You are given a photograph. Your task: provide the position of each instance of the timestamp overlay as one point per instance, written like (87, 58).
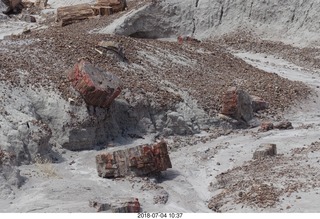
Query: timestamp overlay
(160, 215)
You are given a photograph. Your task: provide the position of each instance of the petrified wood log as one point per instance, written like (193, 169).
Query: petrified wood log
(134, 161)
(98, 87)
(69, 14)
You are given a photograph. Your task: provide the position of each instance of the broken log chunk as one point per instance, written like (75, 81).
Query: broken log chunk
(120, 205)
(70, 14)
(102, 10)
(265, 150)
(98, 87)
(236, 103)
(117, 5)
(134, 161)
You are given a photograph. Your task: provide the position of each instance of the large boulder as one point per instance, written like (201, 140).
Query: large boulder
(98, 87)
(134, 161)
(237, 104)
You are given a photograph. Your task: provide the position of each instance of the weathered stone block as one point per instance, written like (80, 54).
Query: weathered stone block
(134, 161)
(237, 104)
(98, 87)
(265, 150)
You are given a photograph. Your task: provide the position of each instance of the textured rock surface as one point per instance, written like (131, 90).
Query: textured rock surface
(237, 104)
(283, 125)
(161, 198)
(122, 205)
(266, 126)
(10, 177)
(265, 150)
(98, 87)
(137, 161)
(258, 103)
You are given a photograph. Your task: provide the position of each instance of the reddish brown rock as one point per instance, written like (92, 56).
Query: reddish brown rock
(266, 126)
(98, 87)
(136, 161)
(236, 103)
(124, 205)
(258, 103)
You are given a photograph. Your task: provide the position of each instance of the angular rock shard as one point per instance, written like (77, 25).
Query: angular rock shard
(135, 161)
(258, 103)
(237, 104)
(98, 87)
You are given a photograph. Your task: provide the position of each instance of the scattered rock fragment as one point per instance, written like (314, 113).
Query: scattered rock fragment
(283, 125)
(136, 161)
(236, 103)
(258, 103)
(265, 150)
(161, 198)
(28, 18)
(122, 205)
(266, 126)
(188, 39)
(98, 87)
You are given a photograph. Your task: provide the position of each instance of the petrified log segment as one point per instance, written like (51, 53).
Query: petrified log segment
(102, 10)
(136, 161)
(237, 104)
(98, 87)
(123, 205)
(117, 5)
(69, 14)
(265, 150)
